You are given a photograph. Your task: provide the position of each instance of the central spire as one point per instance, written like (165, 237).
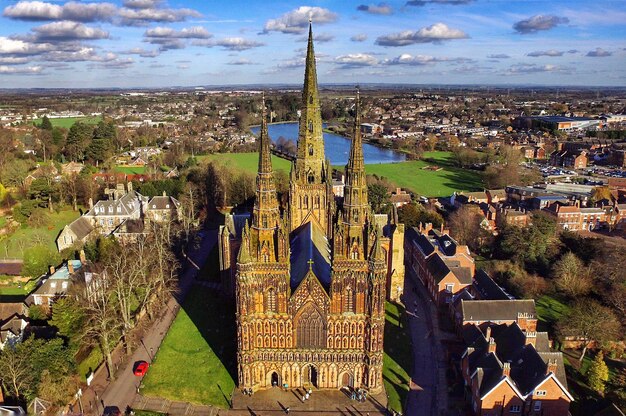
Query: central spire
(310, 161)
(355, 204)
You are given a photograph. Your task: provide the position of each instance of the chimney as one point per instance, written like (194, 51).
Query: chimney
(488, 333)
(70, 267)
(492, 345)
(531, 338)
(52, 270)
(441, 227)
(551, 367)
(506, 369)
(164, 194)
(90, 203)
(81, 256)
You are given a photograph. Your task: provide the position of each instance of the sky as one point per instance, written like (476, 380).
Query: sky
(161, 43)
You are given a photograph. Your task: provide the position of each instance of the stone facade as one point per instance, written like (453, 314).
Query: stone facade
(310, 280)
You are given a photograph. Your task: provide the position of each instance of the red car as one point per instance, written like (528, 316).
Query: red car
(141, 368)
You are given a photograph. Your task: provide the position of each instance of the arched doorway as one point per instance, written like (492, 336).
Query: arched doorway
(309, 376)
(275, 381)
(346, 380)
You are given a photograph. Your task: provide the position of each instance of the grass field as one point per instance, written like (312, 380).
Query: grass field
(549, 311)
(90, 363)
(397, 360)
(245, 161)
(131, 170)
(196, 361)
(67, 122)
(26, 236)
(410, 175)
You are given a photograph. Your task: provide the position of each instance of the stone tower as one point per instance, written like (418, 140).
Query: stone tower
(311, 184)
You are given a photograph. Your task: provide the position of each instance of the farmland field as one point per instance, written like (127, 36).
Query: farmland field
(67, 122)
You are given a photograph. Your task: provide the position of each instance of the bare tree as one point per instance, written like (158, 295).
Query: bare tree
(571, 276)
(589, 321)
(103, 325)
(16, 371)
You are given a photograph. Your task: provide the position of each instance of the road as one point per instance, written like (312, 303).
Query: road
(122, 391)
(422, 401)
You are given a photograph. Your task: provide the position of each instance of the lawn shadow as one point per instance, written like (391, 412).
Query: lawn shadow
(214, 317)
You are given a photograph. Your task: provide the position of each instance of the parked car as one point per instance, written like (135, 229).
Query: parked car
(140, 368)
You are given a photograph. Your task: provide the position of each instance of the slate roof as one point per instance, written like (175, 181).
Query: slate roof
(162, 202)
(496, 310)
(421, 240)
(8, 309)
(437, 267)
(127, 204)
(81, 227)
(53, 285)
(446, 244)
(309, 242)
(487, 288)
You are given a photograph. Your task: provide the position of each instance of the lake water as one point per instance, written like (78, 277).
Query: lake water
(336, 148)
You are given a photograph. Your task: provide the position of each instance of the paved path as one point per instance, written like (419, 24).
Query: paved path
(428, 397)
(121, 392)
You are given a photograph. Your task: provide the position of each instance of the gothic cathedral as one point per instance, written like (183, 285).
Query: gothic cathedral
(310, 281)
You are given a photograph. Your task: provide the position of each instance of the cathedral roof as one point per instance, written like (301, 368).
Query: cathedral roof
(310, 250)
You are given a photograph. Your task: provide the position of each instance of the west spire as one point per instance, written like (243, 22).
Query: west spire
(355, 204)
(266, 216)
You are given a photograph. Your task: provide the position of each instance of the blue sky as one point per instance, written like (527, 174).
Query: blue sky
(152, 43)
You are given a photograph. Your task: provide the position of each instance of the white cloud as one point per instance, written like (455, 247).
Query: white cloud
(297, 20)
(432, 34)
(241, 61)
(19, 70)
(75, 11)
(360, 37)
(134, 17)
(381, 8)
(11, 60)
(235, 43)
(519, 69)
(418, 60)
(67, 31)
(356, 60)
(538, 22)
(599, 53)
(142, 4)
(550, 52)
(425, 2)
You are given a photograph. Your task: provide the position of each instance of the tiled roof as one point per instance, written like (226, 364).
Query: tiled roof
(309, 243)
(496, 310)
(487, 288)
(81, 227)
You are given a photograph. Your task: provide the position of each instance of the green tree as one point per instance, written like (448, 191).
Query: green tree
(69, 319)
(598, 373)
(378, 197)
(78, 139)
(45, 124)
(411, 215)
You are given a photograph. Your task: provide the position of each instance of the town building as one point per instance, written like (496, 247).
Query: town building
(310, 283)
(54, 285)
(443, 266)
(125, 211)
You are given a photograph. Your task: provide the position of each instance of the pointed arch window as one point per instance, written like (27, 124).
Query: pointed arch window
(349, 301)
(270, 300)
(310, 329)
(310, 98)
(310, 146)
(311, 127)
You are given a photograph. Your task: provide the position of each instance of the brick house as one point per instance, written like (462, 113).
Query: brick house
(568, 217)
(443, 266)
(508, 371)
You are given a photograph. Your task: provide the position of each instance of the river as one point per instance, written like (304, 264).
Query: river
(336, 147)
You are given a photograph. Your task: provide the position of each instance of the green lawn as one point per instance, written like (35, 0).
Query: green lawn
(67, 122)
(246, 161)
(131, 170)
(549, 311)
(408, 175)
(25, 236)
(90, 363)
(444, 182)
(196, 361)
(397, 361)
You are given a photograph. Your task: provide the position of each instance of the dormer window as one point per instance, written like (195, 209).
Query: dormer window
(110, 210)
(64, 285)
(53, 285)
(167, 206)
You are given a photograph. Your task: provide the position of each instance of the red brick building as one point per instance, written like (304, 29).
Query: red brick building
(511, 372)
